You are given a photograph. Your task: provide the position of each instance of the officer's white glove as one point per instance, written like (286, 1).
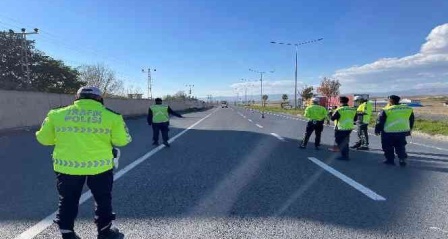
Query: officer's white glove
(117, 153)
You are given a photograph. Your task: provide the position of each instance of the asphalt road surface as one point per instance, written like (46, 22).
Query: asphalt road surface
(231, 174)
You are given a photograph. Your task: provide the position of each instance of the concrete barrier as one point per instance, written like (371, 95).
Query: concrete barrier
(20, 109)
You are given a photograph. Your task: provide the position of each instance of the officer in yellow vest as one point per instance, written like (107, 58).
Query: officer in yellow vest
(316, 115)
(364, 114)
(83, 135)
(394, 123)
(344, 118)
(159, 118)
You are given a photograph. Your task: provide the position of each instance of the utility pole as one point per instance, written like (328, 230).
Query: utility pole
(261, 88)
(295, 72)
(149, 81)
(189, 91)
(245, 90)
(24, 47)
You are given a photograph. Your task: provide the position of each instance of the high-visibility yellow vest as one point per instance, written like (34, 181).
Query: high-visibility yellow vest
(160, 113)
(83, 135)
(347, 116)
(397, 118)
(366, 108)
(316, 112)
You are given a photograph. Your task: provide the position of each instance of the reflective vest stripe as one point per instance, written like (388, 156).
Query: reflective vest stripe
(397, 119)
(346, 120)
(160, 114)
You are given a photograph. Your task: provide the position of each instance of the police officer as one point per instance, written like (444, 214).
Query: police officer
(316, 115)
(394, 123)
(84, 134)
(364, 114)
(344, 118)
(159, 118)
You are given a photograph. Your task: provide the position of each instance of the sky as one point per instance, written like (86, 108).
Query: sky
(370, 46)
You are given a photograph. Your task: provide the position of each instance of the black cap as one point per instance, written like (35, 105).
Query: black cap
(158, 99)
(343, 99)
(395, 98)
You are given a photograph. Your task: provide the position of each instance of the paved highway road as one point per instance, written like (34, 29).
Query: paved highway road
(231, 174)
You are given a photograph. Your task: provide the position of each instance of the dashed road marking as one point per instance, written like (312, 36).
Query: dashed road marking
(366, 191)
(278, 137)
(250, 120)
(259, 126)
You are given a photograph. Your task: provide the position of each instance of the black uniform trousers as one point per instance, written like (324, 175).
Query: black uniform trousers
(313, 126)
(363, 135)
(391, 142)
(342, 138)
(160, 127)
(70, 189)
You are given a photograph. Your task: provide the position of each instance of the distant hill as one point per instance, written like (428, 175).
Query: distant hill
(405, 93)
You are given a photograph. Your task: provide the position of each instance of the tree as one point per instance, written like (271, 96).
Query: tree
(265, 98)
(285, 97)
(329, 88)
(46, 73)
(180, 95)
(103, 77)
(50, 75)
(306, 93)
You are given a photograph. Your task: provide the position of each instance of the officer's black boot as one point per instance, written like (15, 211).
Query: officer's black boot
(389, 162)
(402, 162)
(363, 148)
(70, 235)
(355, 146)
(111, 233)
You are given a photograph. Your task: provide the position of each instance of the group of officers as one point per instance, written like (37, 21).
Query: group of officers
(394, 123)
(84, 150)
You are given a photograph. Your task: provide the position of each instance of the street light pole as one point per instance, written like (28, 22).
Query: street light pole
(297, 50)
(24, 46)
(190, 87)
(295, 81)
(261, 89)
(149, 81)
(245, 90)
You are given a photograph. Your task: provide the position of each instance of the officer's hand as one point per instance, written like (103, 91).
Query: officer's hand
(377, 133)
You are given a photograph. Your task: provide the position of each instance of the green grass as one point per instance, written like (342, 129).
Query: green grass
(277, 109)
(431, 127)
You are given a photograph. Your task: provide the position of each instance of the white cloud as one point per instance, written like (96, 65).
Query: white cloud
(425, 69)
(269, 87)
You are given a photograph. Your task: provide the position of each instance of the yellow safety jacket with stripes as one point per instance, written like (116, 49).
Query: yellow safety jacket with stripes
(397, 118)
(347, 118)
(83, 135)
(316, 112)
(160, 113)
(365, 112)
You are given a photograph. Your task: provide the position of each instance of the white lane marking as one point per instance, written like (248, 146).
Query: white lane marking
(438, 229)
(429, 146)
(259, 126)
(244, 116)
(48, 221)
(250, 120)
(278, 137)
(369, 193)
